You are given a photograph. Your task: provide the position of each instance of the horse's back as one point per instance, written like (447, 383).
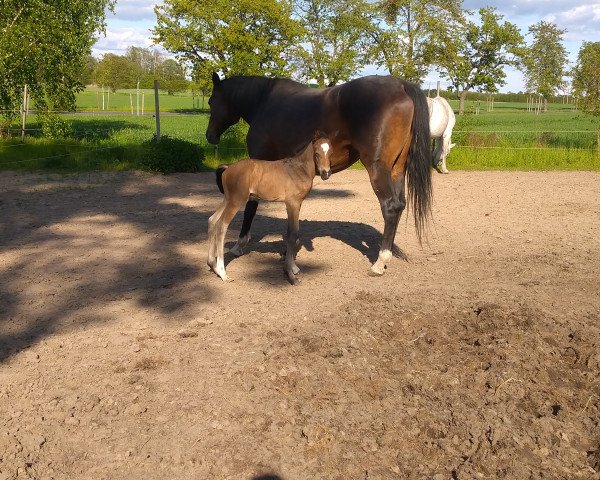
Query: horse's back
(441, 117)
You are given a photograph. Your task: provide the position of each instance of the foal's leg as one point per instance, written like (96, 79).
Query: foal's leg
(293, 212)
(231, 208)
(244, 237)
(392, 199)
(213, 222)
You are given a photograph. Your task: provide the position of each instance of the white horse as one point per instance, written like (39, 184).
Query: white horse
(441, 123)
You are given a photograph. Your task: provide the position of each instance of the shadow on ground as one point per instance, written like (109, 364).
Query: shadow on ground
(77, 247)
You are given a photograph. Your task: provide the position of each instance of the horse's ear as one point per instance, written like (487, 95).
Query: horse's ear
(216, 80)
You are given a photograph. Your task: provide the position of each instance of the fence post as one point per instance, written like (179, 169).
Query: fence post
(599, 139)
(156, 108)
(24, 113)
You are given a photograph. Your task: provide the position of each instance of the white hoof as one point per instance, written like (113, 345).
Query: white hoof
(377, 270)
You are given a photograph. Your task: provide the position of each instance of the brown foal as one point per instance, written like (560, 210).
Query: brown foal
(288, 180)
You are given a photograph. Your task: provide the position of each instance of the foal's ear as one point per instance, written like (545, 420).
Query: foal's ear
(215, 79)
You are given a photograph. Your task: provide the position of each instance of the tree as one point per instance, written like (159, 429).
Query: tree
(586, 78)
(87, 74)
(147, 62)
(479, 53)
(405, 34)
(171, 76)
(44, 44)
(246, 37)
(116, 71)
(334, 46)
(545, 60)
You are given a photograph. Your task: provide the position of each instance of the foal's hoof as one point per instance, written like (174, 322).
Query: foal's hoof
(237, 251)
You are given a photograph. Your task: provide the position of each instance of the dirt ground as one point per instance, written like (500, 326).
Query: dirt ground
(122, 356)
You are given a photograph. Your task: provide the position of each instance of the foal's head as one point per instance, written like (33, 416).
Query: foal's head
(322, 154)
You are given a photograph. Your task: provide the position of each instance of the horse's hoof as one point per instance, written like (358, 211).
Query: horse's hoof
(235, 250)
(295, 270)
(376, 271)
(292, 278)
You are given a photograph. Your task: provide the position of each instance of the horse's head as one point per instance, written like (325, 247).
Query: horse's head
(322, 154)
(222, 114)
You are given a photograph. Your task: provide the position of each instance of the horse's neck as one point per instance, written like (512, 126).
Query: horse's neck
(248, 93)
(305, 161)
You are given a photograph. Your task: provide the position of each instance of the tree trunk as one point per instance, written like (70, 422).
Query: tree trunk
(463, 100)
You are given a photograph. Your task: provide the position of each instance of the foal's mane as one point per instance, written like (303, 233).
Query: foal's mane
(247, 93)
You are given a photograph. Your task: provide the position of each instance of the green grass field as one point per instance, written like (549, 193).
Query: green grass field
(509, 138)
(90, 100)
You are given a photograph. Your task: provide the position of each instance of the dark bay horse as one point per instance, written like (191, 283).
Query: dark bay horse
(381, 120)
(288, 180)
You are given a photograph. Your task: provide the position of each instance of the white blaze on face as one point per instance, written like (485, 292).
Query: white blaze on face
(325, 148)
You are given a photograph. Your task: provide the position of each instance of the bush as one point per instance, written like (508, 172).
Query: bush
(172, 155)
(54, 126)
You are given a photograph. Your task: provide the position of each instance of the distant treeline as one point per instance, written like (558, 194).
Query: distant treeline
(498, 97)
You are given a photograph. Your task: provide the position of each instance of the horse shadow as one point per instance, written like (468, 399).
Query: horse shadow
(361, 237)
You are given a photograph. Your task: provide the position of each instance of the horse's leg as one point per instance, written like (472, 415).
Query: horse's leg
(438, 153)
(244, 237)
(445, 151)
(392, 199)
(232, 207)
(213, 222)
(293, 213)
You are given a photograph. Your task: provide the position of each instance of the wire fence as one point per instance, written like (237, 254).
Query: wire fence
(73, 147)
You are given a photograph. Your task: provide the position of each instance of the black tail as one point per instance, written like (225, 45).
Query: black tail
(219, 172)
(420, 161)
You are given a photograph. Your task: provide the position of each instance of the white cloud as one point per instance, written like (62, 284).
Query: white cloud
(134, 10)
(117, 40)
(580, 21)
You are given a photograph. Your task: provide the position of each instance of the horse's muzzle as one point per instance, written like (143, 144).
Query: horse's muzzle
(212, 138)
(325, 174)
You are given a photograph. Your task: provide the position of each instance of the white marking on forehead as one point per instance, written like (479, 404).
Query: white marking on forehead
(325, 147)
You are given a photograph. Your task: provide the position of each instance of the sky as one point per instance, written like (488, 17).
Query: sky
(133, 19)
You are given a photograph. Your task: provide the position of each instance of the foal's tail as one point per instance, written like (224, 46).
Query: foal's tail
(419, 163)
(219, 172)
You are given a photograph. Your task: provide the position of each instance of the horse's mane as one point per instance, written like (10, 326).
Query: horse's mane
(248, 92)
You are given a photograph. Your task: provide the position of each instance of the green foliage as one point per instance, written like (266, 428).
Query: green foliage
(171, 76)
(45, 44)
(246, 37)
(478, 55)
(404, 35)
(116, 71)
(586, 77)
(545, 59)
(172, 155)
(55, 126)
(334, 46)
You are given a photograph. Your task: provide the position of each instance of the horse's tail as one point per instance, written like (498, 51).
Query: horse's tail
(219, 172)
(420, 161)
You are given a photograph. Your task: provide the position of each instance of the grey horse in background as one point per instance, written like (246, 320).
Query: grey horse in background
(441, 123)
